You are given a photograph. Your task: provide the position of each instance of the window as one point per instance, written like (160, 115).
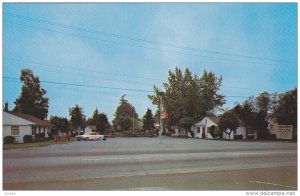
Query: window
(15, 130)
(198, 129)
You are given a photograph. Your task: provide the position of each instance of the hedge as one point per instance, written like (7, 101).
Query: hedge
(27, 138)
(9, 139)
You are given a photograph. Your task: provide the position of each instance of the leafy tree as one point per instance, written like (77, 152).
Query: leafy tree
(31, 100)
(246, 113)
(186, 123)
(228, 120)
(148, 120)
(210, 85)
(286, 112)
(98, 119)
(77, 117)
(124, 115)
(262, 106)
(274, 102)
(187, 95)
(59, 123)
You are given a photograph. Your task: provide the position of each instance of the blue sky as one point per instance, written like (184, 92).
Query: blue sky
(253, 46)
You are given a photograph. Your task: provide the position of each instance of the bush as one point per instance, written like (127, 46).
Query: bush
(27, 138)
(9, 139)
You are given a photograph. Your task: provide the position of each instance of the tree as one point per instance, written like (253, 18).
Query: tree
(210, 85)
(31, 100)
(98, 119)
(262, 106)
(186, 123)
(77, 117)
(125, 123)
(187, 95)
(286, 112)
(148, 120)
(124, 115)
(59, 123)
(228, 120)
(246, 113)
(5, 107)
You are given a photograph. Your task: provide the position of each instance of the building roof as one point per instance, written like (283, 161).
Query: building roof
(37, 121)
(215, 119)
(10, 119)
(92, 127)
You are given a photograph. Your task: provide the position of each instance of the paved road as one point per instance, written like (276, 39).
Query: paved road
(145, 164)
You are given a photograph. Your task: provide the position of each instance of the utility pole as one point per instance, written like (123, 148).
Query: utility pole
(160, 120)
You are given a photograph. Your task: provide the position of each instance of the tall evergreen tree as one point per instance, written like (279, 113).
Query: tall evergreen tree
(32, 99)
(124, 115)
(100, 120)
(77, 117)
(148, 120)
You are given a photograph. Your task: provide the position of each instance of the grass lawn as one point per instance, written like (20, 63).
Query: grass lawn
(33, 145)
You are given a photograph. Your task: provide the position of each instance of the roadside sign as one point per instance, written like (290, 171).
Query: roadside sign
(284, 132)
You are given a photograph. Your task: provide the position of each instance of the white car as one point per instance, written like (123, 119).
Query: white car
(90, 136)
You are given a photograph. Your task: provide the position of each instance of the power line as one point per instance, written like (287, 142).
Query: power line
(143, 40)
(108, 73)
(80, 70)
(103, 87)
(150, 48)
(85, 85)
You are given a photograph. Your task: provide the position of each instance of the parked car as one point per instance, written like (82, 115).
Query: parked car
(90, 136)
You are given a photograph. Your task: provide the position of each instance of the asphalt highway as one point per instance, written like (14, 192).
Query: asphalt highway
(145, 164)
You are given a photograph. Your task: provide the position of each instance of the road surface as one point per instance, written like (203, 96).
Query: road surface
(145, 164)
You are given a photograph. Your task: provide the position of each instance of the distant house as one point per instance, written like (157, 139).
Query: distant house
(279, 131)
(272, 125)
(240, 133)
(208, 124)
(90, 129)
(19, 125)
(203, 128)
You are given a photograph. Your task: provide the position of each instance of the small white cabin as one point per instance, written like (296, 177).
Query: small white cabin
(203, 128)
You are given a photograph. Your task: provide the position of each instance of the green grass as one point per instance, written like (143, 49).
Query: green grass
(33, 145)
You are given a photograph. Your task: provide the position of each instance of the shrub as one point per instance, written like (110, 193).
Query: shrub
(27, 138)
(9, 139)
